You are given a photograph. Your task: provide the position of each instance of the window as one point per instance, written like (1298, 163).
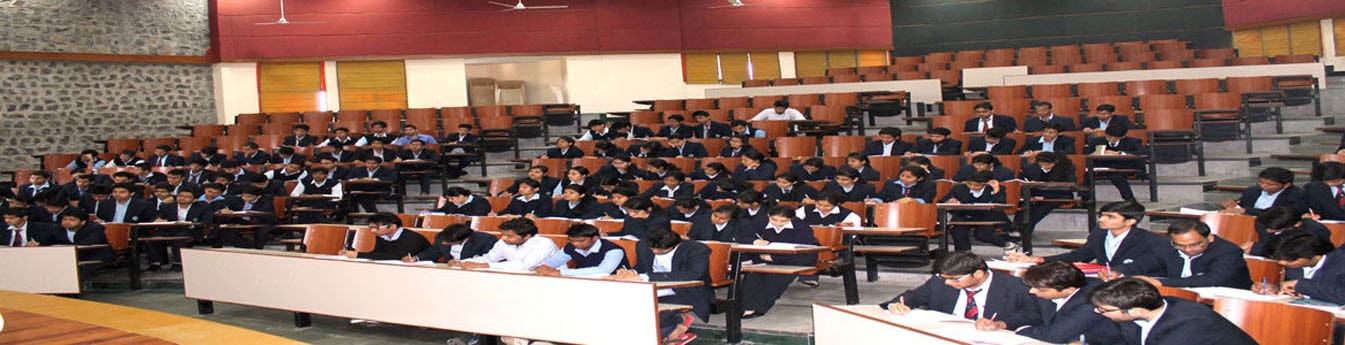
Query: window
(368, 85)
(289, 86)
(730, 68)
(1274, 40)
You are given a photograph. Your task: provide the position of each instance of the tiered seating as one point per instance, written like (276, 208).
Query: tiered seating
(829, 112)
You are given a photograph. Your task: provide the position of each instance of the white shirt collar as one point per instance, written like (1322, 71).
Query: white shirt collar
(1309, 272)
(395, 235)
(787, 226)
(597, 246)
(1060, 302)
(524, 198)
(834, 210)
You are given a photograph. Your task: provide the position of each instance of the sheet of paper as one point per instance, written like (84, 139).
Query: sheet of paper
(1216, 292)
(1006, 265)
(1185, 210)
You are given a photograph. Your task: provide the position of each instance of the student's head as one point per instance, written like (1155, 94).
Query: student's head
(1047, 160)
(921, 161)
(723, 214)
(889, 135)
(318, 173)
(1279, 218)
(700, 116)
(621, 161)
(857, 160)
(749, 199)
(597, 125)
(780, 215)
(464, 129)
(1274, 179)
(16, 216)
(813, 164)
(1042, 109)
(659, 166)
(687, 205)
(675, 120)
(715, 168)
(529, 187)
(88, 155)
(176, 176)
(979, 180)
(300, 129)
(1330, 173)
(39, 177)
(621, 126)
(378, 126)
(84, 180)
(285, 151)
(827, 201)
(577, 174)
(457, 195)
(983, 109)
(258, 180)
(230, 167)
(384, 223)
(673, 178)
(98, 192)
(993, 135)
(622, 194)
(638, 208)
(752, 158)
(537, 172)
(1120, 215)
(1189, 236)
(209, 151)
(250, 147)
(186, 196)
(583, 236)
(123, 177)
(127, 154)
(122, 191)
(847, 176)
(223, 179)
(912, 174)
(1051, 130)
(786, 180)
(984, 162)
(662, 241)
(250, 193)
(963, 270)
(1104, 112)
(162, 150)
(1298, 249)
(564, 142)
(377, 143)
(453, 234)
(518, 230)
(372, 162)
(1125, 299)
(573, 193)
(415, 145)
(163, 191)
(605, 147)
(1053, 280)
(212, 190)
(74, 219)
(1115, 133)
(53, 202)
(341, 132)
(738, 141)
(676, 140)
(938, 134)
(410, 130)
(780, 106)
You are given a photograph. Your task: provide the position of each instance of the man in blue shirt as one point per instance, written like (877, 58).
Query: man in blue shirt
(593, 256)
(409, 133)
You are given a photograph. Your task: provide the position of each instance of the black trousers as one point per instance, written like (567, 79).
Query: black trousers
(984, 233)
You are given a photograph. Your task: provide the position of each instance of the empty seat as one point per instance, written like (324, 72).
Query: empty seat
(1099, 53)
(840, 71)
(700, 103)
(912, 75)
(732, 102)
(785, 81)
(870, 69)
(756, 83)
(1217, 101)
(1251, 60)
(939, 57)
(1301, 58)
(847, 78)
(1147, 87)
(801, 101)
(1241, 85)
(932, 66)
(668, 104)
(1045, 69)
(392, 116)
(1125, 66)
(1165, 64)
(1147, 102)
(949, 78)
(907, 60)
(816, 80)
(1210, 62)
(1195, 86)
(1139, 56)
(969, 56)
(1086, 67)
(998, 57)
(961, 65)
(1033, 56)
(1066, 55)
(1052, 90)
(1098, 89)
(1217, 53)
(1000, 92)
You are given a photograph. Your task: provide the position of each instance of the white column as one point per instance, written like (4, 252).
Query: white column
(330, 85)
(787, 65)
(1329, 54)
(236, 90)
(434, 83)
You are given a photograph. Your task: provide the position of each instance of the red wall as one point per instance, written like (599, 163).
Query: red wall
(1242, 13)
(430, 27)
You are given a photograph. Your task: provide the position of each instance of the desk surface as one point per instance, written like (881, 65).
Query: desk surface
(831, 323)
(154, 326)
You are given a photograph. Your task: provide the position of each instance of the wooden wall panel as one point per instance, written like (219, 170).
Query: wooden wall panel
(765, 65)
(289, 86)
(734, 67)
(1339, 24)
(368, 85)
(810, 64)
(873, 58)
(1275, 40)
(841, 59)
(1305, 38)
(701, 68)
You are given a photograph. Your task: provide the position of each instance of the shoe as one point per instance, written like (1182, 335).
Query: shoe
(1012, 247)
(687, 320)
(751, 314)
(686, 338)
(809, 283)
(153, 268)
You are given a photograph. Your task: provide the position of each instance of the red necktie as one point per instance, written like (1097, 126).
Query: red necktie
(1340, 197)
(972, 311)
(905, 191)
(17, 239)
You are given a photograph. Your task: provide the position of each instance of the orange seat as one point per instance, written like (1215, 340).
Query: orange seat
(1125, 66)
(1066, 55)
(1098, 89)
(1195, 86)
(1052, 90)
(1006, 92)
(1086, 67)
(1274, 323)
(1147, 87)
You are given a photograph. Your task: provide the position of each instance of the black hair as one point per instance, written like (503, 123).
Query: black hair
(960, 263)
(981, 176)
(1126, 293)
(582, 230)
(385, 218)
(941, 131)
(1059, 275)
(835, 198)
(1301, 245)
(1277, 174)
(699, 113)
(1041, 104)
(453, 233)
(1058, 127)
(1107, 108)
(678, 118)
(301, 126)
(1279, 218)
(640, 203)
(456, 191)
(596, 122)
(1130, 209)
(893, 131)
(1188, 225)
(919, 172)
(662, 239)
(781, 210)
(847, 172)
(77, 214)
(1117, 131)
(984, 105)
(859, 156)
(996, 132)
(521, 226)
(782, 103)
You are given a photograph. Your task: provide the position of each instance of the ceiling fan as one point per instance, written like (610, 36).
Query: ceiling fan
(520, 6)
(734, 4)
(284, 21)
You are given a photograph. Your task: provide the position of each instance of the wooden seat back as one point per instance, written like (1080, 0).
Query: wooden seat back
(1273, 323)
(913, 215)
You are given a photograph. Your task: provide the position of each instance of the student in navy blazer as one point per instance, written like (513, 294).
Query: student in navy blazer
(137, 210)
(1044, 115)
(690, 262)
(86, 233)
(1214, 261)
(754, 167)
(888, 144)
(788, 187)
(678, 146)
(1171, 320)
(473, 243)
(373, 171)
(1116, 142)
(1312, 268)
(1137, 254)
(986, 163)
(251, 199)
(1324, 195)
(813, 169)
(960, 274)
(1062, 144)
(985, 114)
(938, 144)
(707, 128)
(461, 201)
(564, 149)
(995, 136)
(198, 212)
(1104, 117)
(913, 182)
(1276, 183)
(673, 186)
(1064, 310)
(849, 185)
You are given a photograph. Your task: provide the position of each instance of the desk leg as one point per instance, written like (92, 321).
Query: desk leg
(1024, 233)
(302, 320)
(733, 330)
(1092, 195)
(133, 269)
(205, 307)
(848, 272)
(943, 223)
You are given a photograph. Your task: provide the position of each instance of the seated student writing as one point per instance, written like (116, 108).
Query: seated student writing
(592, 255)
(455, 242)
(754, 167)
(186, 209)
(78, 230)
(978, 189)
(317, 184)
(678, 146)
(1117, 243)
(1274, 187)
(664, 256)
(1276, 222)
(648, 149)
(1050, 167)
(25, 233)
(788, 187)
(935, 173)
(642, 216)
(888, 144)
(393, 242)
(519, 249)
(1146, 317)
(564, 149)
(672, 186)
(535, 173)
(415, 157)
(575, 176)
(994, 142)
(625, 130)
(966, 287)
(1104, 117)
(752, 206)
(710, 172)
(721, 189)
(463, 202)
(860, 162)
(826, 210)
(1312, 268)
(621, 168)
(689, 210)
(659, 169)
(913, 184)
(938, 143)
(984, 163)
(1049, 141)
(1201, 259)
(761, 290)
(622, 193)
(528, 202)
(250, 200)
(738, 145)
(849, 185)
(813, 169)
(723, 226)
(1325, 192)
(1065, 312)
(373, 178)
(1115, 142)
(575, 203)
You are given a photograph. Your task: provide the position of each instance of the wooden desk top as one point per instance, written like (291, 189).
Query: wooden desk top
(768, 249)
(154, 327)
(1168, 214)
(1069, 242)
(25, 327)
(876, 231)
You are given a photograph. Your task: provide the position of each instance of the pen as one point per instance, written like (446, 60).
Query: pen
(1265, 287)
(992, 316)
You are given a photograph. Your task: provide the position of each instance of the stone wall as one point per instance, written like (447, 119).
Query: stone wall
(139, 27)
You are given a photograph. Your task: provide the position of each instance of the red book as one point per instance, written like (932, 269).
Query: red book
(1088, 268)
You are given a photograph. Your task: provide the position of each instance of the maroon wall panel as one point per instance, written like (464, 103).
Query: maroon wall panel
(430, 27)
(1242, 13)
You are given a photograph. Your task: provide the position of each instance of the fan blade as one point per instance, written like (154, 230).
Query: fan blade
(500, 4)
(293, 22)
(548, 7)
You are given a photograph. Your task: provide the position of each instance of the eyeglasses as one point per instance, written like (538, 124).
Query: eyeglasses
(957, 278)
(1202, 244)
(1099, 310)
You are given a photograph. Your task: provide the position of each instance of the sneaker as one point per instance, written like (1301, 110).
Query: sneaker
(686, 338)
(809, 283)
(687, 320)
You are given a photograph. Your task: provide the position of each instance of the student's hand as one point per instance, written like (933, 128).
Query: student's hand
(872, 201)
(908, 200)
(1312, 215)
(156, 220)
(994, 186)
(531, 216)
(225, 211)
(606, 218)
(1234, 210)
(1109, 275)
(472, 265)
(990, 325)
(31, 243)
(1020, 257)
(767, 258)
(409, 258)
(624, 274)
(491, 214)
(348, 253)
(846, 224)
(507, 194)
(899, 308)
(760, 242)
(952, 201)
(1341, 152)
(1246, 247)
(1289, 288)
(545, 270)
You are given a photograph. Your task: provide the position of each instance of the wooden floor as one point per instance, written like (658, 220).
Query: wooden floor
(32, 318)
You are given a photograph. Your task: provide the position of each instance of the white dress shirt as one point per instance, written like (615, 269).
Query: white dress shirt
(982, 291)
(770, 114)
(1148, 325)
(525, 257)
(1112, 243)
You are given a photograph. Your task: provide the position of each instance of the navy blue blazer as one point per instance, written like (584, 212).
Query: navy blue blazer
(859, 192)
(796, 193)
(728, 151)
(477, 243)
(689, 150)
(716, 130)
(668, 131)
(572, 152)
(1035, 124)
(263, 204)
(548, 184)
(690, 261)
(1126, 145)
(477, 207)
(684, 190)
(1188, 323)
(43, 233)
(1004, 147)
(1220, 265)
(1008, 297)
(1328, 284)
(1063, 144)
(200, 212)
(706, 231)
(1137, 255)
(1321, 199)
(170, 160)
(1116, 120)
(89, 234)
(259, 157)
(1000, 173)
(962, 194)
(540, 207)
(1075, 317)
(138, 211)
(763, 172)
(826, 172)
(297, 158)
(870, 174)
(875, 148)
(1290, 196)
(949, 147)
(925, 191)
(999, 121)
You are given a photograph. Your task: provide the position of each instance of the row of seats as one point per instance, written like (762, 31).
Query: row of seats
(426, 119)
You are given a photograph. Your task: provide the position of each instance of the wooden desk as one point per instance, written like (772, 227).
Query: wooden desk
(733, 314)
(862, 324)
(945, 218)
(149, 326)
(1209, 294)
(136, 233)
(1169, 214)
(424, 296)
(847, 267)
(1025, 232)
(1070, 242)
(52, 269)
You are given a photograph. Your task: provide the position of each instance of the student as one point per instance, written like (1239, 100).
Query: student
(1049, 167)
(980, 188)
(622, 169)
(145, 174)
(128, 158)
(780, 111)
(1201, 259)
(54, 204)
(455, 242)
(574, 176)
(378, 130)
(620, 194)
(666, 257)
(674, 128)
(317, 183)
(461, 147)
(737, 147)
(128, 178)
(1065, 312)
(690, 210)
(754, 167)
(642, 216)
(392, 241)
(377, 149)
(935, 173)
(938, 143)
(721, 189)
(826, 210)
(287, 155)
(252, 155)
(77, 191)
(409, 133)
(966, 287)
(606, 149)
(625, 130)
(38, 182)
(1325, 195)
(761, 290)
(673, 186)
(575, 203)
(463, 202)
(177, 178)
(994, 142)
(1312, 268)
(90, 205)
(850, 186)
(592, 255)
(340, 138)
(984, 163)
(1116, 142)
(197, 174)
(269, 189)
(251, 200)
(1117, 243)
(88, 159)
(1045, 115)
(299, 136)
(1274, 187)
(519, 249)
(564, 149)
(888, 144)
(788, 187)
(1050, 140)
(986, 119)
(723, 226)
(163, 196)
(123, 207)
(912, 183)
(416, 157)
(598, 130)
(813, 169)
(536, 173)
(1146, 317)
(334, 171)
(1275, 224)
(209, 154)
(78, 230)
(22, 232)
(710, 171)
(744, 129)
(163, 157)
(1104, 117)
(530, 201)
(706, 128)
(679, 147)
(648, 149)
(291, 171)
(186, 209)
(860, 162)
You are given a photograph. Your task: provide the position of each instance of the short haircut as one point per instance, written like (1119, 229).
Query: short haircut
(178, 172)
(686, 202)
(417, 141)
(409, 126)
(16, 212)
(620, 124)
(1117, 131)
(457, 191)
(131, 152)
(40, 173)
(833, 197)
(847, 172)
(1107, 108)
(981, 176)
(893, 131)
(1048, 156)
(736, 123)
(728, 209)
(453, 233)
(530, 183)
(229, 164)
(960, 263)
(100, 189)
(782, 103)
(662, 239)
(285, 150)
(1130, 209)
(582, 230)
(247, 145)
(639, 203)
(565, 138)
(985, 159)
(788, 176)
(996, 132)
(1277, 174)
(1329, 171)
(378, 124)
(466, 126)
(542, 168)
(1126, 293)
(625, 191)
(341, 129)
(700, 113)
(750, 197)
(1042, 104)
(1058, 127)
(215, 186)
(576, 188)
(781, 210)
(57, 199)
(915, 170)
(754, 155)
(941, 131)
(678, 118)
(317, 170)
(521, 226)
(385, 218)
(252, 190)
(193, 191)
(1301, 245)
(675, 174)
(984, 105)
(1057, 275)
(301, 126)
(127, 186)
(859, 156)
(1188, 225)
(77, 214)
(717, 166)
(1279, 218)
(596, 122)
(163, 147)
(124, 174)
